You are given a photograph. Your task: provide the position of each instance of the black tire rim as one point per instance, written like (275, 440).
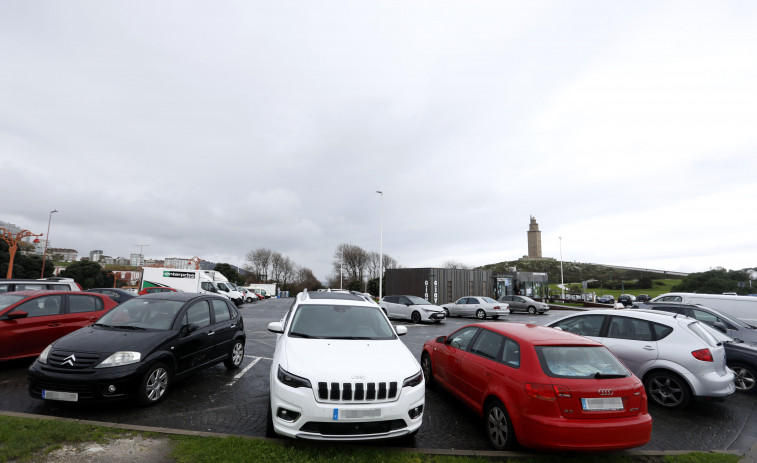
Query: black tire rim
(426, 366)
(415, 317)
(666, 391)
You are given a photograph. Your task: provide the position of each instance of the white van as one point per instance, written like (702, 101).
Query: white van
(741, 307)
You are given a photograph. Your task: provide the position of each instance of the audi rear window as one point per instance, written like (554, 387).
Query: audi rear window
(580, 362)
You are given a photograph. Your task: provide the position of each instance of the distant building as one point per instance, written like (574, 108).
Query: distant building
(137, 260)
(178, 262)
(534, 240)
(67, 255)
(94, 256)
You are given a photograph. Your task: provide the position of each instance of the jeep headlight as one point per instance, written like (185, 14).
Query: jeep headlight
(292, 380)
(413, 380)
(120, 359)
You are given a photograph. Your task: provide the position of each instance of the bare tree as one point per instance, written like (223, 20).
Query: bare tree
(373, 264)
(259, 262)
(287, 269)
(454, 264)
(277, 266)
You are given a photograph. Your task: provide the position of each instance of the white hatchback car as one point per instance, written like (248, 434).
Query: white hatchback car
(674, 356)
(412, 308)
(478, 306)
(340, 372)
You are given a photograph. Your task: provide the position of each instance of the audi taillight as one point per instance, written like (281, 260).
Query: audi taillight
(546, 391)
(703, 354)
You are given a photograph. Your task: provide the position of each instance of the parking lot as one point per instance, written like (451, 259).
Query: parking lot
(235, 402)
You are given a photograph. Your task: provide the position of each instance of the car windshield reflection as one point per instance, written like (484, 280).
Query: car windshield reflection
(139, 314)
(340, 322)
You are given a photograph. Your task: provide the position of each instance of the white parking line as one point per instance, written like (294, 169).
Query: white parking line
(241, 373)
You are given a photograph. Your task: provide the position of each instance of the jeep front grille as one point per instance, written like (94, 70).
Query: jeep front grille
(357, 392)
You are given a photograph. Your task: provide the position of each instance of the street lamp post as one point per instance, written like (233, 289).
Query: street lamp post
(12, 241)
(47, 240)
(562, 283)
(381, 243)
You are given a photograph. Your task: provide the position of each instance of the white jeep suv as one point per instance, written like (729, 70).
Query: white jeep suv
(340, 372)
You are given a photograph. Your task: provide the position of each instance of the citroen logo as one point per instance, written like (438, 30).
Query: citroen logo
(605, 392)
(69, 360)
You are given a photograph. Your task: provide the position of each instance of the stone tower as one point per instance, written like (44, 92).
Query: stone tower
(534, 240)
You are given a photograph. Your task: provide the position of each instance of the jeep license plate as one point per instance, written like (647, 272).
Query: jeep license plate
(64, 396)
(352, 414)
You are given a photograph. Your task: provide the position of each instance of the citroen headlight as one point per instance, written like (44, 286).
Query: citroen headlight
(43, 356)
(120, 359)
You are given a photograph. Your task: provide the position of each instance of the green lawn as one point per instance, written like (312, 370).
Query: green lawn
(27, 439)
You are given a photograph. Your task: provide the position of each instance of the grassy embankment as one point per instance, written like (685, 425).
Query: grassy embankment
(26, 439)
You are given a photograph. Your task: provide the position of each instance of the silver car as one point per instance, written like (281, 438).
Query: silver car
(478, 306)
(524, 304)
(675, 357)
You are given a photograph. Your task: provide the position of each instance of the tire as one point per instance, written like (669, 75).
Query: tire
(415, 317)
(532, 310)
(446, 312)
(498, 427)
(236, 356)
(249, 300)
(667, 389)
(480, 314)
(154, 384)
(428, 370)
(746, 375)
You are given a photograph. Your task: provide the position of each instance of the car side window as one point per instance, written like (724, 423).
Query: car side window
(668, 309)
(220, 310)
(3, 288)
(585, 325)
(84, 303)
(630, 328)
(461, 338)
(404, 300)
(42, 306)
(199, 314)
(511, 354)
(672, 299)
(705, 317)
(488, 345)
(661, 331)
(30, 287)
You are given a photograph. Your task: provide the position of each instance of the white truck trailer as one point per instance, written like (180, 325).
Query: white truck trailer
(191, 281)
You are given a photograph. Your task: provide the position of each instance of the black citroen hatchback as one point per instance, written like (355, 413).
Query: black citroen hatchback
(139, 348)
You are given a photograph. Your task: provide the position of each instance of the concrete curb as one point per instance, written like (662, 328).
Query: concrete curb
(750, 457)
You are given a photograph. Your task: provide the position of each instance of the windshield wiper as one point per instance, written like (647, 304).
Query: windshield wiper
(103, 325)
(129, 327)
(349, 337)
(599, 375)
(302, 335)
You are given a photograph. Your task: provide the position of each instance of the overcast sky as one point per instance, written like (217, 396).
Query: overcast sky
(213, 128)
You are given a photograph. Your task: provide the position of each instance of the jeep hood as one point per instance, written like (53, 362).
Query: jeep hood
(338, 360)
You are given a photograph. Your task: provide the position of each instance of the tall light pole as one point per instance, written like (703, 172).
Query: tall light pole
(381, 243)
(562, 283)
(47, 240)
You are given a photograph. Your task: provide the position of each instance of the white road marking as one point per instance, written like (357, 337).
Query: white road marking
(246, 369)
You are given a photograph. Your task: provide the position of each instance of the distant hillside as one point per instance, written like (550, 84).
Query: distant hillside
(575, 272)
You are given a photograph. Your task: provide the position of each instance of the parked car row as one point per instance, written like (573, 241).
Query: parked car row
(340, 372)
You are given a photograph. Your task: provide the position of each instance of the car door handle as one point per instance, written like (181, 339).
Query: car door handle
(234, 325)
(648, 348)
(211, 333)
(54, 324)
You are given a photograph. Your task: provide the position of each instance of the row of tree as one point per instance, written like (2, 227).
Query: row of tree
(354, 268)
(267, 266)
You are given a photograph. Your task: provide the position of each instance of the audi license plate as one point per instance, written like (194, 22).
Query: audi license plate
(64, 396)
(602, 403)
(352, 414)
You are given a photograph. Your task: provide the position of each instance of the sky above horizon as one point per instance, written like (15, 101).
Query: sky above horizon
(210, 129)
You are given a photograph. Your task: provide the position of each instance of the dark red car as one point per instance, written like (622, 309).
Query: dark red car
(542, 387)
(30, 320)
(156, 289)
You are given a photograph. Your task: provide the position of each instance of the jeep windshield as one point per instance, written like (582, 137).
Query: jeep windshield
(340, 322)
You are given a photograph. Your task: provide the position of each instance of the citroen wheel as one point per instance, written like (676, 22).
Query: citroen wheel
(236, 356)
(154, 384)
